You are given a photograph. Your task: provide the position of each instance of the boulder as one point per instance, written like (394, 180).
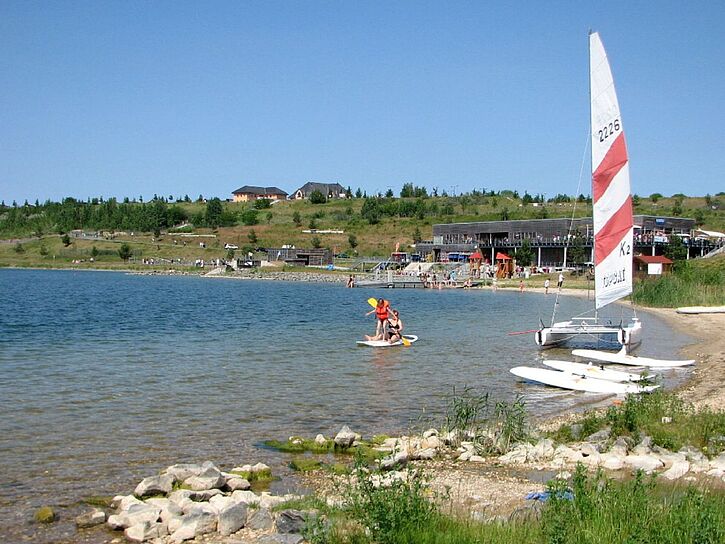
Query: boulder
(269, 501)
(345, 437)
(391, 461)
(477, 459)
(599, 436)
(259, 468)
(644, 447)
(147, 530)
(155, 485)
(246, 497)
(677, 470)
(432, 442)
(290, 521)
(320, 440)
(90, 519)
(183, 471)
(126, 502)
(235, 483)
(260, 520)
(424, 454)
(232, 518)
(204, 495)
(620, 447)
(209, 478)
(201, 520)
(611, 461)
(136, 514)
(45, 514)
(645, 463)
(543, 450)
(518, 455)
(718, 463)
(430, 432)
(179, 495)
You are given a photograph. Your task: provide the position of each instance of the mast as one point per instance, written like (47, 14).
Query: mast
(612, 201)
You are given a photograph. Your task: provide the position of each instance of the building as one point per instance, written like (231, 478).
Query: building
(300, 256)
(551, 239)
(330, 190)
(251, 192)
(648, 265)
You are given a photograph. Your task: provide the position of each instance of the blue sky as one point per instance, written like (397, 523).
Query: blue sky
(136, 98)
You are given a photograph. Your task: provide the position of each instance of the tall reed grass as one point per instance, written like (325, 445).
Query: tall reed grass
(693, 283)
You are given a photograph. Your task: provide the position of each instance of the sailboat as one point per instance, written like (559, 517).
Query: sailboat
(612, 219)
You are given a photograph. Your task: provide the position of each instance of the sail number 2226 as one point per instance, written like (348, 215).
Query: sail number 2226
(609, 130)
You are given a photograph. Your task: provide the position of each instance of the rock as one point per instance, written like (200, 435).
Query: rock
(290, 521)
(201, 520)
(600, 436)
(146, 531)
(235, 483)
(204, 495)
(576, 431)
(431, 442)
(266, 500)
(543, 450)
(183, 471)
(155, 485)
(320, 440)
(425, 454)
(620, 447)
(391, 461)
(668, 458)
(718, 463)
(259, 468)
(90, 519)
(390, 443)
(232, 518)
(260, 520)
(564, 455)
(45, 514)
(126, 502)
(611, 461)
(646, 463)
(677, 470)
(430, 432)
(477, 459)
(209, 478)
(644, 447)
(345, 437)
(179, 495)
(135, 515)
(246, 497)
(518, 455)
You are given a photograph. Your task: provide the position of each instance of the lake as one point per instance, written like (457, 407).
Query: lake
(107, 378)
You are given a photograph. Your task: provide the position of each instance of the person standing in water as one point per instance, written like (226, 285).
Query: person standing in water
(546, 286)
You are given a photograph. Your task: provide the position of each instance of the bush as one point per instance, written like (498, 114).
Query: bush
(262, 203)
(316, 197)
(124, 252)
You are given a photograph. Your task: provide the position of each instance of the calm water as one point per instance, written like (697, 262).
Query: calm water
(106, 378)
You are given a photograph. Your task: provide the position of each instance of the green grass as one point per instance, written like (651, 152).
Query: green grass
(641, 415)
(305, 464)
(693, 283)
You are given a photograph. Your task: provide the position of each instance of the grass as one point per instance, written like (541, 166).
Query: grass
(594, 509)
(641, 415)
(694, 283)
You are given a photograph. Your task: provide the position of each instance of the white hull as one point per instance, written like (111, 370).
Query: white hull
(594, 371)
(622, 358)
(566, 380)
(701, 310)
(589, 329)
(383, 344)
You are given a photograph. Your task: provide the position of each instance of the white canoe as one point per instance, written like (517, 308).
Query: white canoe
(383, 344)
(593, 371)
(621, 358)
(701, 310)
(566, 380)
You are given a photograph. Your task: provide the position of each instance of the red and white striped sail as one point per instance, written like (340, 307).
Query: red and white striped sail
(613, 223)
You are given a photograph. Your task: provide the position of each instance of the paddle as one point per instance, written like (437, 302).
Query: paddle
(374, 303)
(522, 332)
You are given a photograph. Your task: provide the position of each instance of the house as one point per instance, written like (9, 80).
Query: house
(250, 192)
(330, 190)
(651, 265)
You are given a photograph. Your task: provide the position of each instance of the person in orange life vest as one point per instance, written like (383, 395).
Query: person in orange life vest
(381, 313)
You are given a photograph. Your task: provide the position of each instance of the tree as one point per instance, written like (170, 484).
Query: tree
(252, 237)
(312, 224)
(389, 193)
(213, 213)
(577, 252)
(316, 197)
(124, 252)
(676, 249)
(297, 218)
(262, 203)
(316, 242)
(654, 197)
(249, 217)
(352, 240)
(66, 240)
(417, 236)
(230, 254)
(524, 254)
(94, 252)
(19, 249)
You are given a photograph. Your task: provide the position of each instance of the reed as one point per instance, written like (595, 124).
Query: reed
(693, 283)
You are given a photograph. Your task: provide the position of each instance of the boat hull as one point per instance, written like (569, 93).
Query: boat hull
(564, 331)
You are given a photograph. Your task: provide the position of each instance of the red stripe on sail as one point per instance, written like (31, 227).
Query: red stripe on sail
(611, 164)
(609, 236)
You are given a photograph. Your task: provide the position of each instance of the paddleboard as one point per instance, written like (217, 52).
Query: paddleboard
(701, 310)
(566, 380)
(593, 371)
(621, 358)
(383, 344)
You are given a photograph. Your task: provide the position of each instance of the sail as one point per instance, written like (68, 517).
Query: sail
(613, 222)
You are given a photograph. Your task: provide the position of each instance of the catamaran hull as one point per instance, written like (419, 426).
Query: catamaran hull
(565, 331)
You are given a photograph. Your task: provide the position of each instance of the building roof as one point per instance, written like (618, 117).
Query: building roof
(324, 188)
(254, 190)
(653, 259)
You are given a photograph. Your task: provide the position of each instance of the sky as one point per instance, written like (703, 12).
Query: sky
(129, 98)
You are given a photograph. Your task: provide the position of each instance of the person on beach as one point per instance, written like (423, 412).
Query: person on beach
(560, 282)
(395, 327)
(546, 286)
(521, 286)
(382, 310)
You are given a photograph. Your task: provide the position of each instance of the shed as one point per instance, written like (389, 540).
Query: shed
(652, 265)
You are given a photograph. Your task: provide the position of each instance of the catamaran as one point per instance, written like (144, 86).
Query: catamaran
(613, 221)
